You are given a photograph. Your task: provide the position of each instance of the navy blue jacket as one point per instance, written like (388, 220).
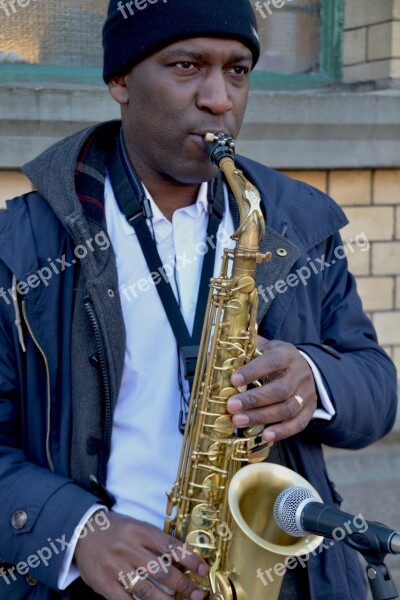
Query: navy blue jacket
(324, 317)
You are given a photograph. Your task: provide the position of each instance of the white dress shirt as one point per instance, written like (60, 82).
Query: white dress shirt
(146, 442)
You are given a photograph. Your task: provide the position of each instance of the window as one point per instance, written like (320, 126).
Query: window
(289, 36)
(48, 40)
(44, 40)
(300, 43)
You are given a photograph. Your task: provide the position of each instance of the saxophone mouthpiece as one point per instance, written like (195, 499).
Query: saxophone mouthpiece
(219, 146)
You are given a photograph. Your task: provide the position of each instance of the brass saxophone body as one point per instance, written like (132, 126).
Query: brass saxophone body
(218, 508)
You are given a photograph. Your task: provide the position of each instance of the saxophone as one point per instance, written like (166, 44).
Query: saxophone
(219, 509)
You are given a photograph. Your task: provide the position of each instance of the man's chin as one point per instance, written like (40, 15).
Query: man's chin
(196, 161)
(197, 176)
(196, 179)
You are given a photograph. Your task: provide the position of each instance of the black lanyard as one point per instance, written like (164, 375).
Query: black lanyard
(133, 203)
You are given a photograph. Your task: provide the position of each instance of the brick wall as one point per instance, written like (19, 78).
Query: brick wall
(371, 201)
(12, 183)
(371, 42)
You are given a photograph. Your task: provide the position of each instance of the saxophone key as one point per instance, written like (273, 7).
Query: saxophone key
(259, 454)
(223, 426)
(216, 453)
(204, 516)
(246, 284)
(253, 432)
(234, 307)
(202, 541)
(212, 488)
(223, 588)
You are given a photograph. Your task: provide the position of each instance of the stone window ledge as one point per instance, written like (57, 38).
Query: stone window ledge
(287, 130)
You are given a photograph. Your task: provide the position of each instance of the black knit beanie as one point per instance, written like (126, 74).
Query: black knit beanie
(136, 29)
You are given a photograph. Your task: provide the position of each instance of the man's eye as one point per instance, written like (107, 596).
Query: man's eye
(186, 66)
(240, 70)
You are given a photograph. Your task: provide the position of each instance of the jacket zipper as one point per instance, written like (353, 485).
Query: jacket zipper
(104, 376)
(46, 364)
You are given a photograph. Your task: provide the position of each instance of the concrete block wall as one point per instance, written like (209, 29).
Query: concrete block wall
(371, 42)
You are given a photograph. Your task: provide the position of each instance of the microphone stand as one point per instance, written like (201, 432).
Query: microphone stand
(370, 546)
(380, 581)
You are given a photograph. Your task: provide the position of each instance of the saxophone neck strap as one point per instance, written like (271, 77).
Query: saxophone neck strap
(134, 204)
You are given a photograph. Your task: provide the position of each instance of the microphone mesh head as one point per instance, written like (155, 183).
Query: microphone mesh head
(286, 506)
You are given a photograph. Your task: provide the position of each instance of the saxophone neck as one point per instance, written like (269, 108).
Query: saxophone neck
(251, 230)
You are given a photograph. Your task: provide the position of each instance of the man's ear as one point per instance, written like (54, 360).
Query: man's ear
(118, 89)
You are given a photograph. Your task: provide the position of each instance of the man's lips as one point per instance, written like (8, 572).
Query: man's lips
(198, 136)
(198, 139)
(209, 130)
(199, 142)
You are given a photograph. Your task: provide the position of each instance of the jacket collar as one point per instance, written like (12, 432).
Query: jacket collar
(298, 217)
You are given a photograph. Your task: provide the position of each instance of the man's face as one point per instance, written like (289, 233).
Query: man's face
(175, 96)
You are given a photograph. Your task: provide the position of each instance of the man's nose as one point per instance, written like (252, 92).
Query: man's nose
(213, 94)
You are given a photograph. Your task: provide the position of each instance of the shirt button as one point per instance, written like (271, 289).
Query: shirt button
(31, 580)
(19, 519)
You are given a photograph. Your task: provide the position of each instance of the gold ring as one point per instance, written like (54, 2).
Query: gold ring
(132, 584)
(299, 400)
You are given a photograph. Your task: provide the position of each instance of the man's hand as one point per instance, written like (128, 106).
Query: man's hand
(288, 375)
(108, 560)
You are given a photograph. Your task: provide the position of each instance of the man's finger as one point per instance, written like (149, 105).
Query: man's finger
(144, 588)
(284, 430)
(261, 342)
(180, 553)
(161, 570)
(269, 363)
(274, 392)
(285, 411)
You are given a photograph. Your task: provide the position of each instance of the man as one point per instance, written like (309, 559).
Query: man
(91, 383)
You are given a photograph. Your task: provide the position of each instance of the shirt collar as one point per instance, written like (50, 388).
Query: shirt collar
(194, 210)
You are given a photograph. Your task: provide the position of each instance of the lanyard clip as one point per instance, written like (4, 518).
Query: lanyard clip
(182, 420)
(189, 356)
(146, 207)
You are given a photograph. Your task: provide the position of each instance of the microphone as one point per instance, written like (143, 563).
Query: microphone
(298, 512)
